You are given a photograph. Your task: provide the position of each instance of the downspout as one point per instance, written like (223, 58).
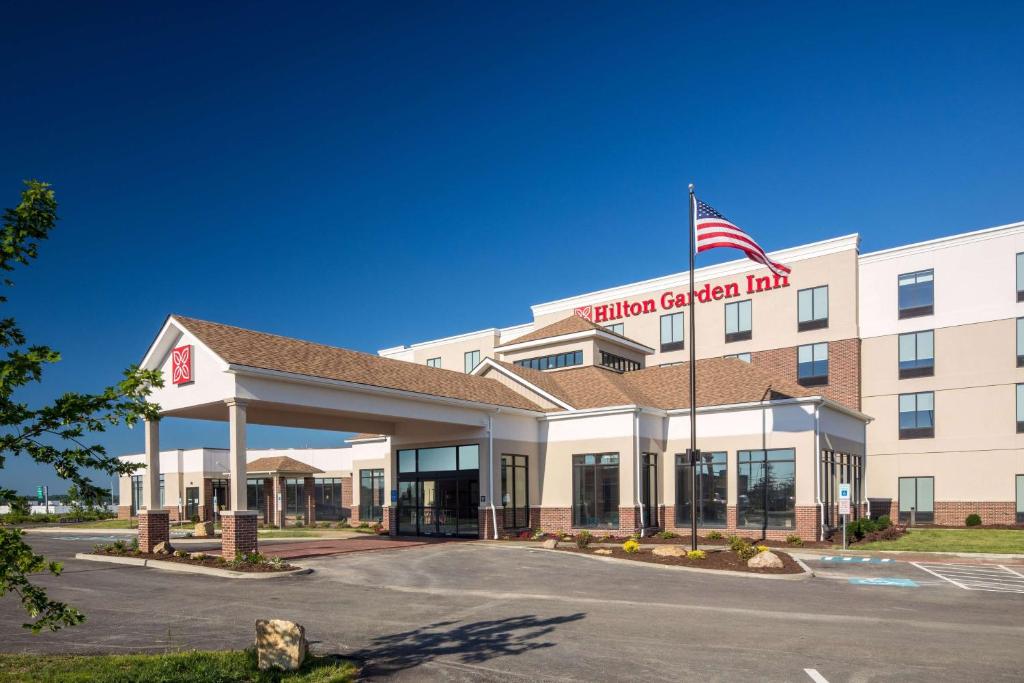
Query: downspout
(864, 474)
(817, 471)
(490, 471)
(636, 457)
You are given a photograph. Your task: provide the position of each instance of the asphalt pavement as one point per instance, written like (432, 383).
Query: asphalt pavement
(471, 611)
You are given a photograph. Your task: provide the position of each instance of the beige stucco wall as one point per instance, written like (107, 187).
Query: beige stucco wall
(452, 354)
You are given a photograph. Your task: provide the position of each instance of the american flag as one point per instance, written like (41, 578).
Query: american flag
(713, 230)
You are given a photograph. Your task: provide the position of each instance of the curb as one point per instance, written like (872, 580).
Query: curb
(807, 573)
(190, 568)
(926, 553)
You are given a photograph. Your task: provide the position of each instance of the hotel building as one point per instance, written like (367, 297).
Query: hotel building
(897, 371)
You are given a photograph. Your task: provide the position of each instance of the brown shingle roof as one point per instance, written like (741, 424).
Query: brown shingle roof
(569, 325)
(720, 381)
(282, 464)
(271, 352)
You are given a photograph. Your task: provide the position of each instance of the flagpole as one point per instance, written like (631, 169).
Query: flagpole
(693, 381)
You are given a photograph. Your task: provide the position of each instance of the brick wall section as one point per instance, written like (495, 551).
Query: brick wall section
(172, 512)
(843, 369)
(954, 513)
(629, 520)
(346, 493)
(238, 532)
(154, 527)
(390, 520)
(309, 493)
(267, 513)
(124, 511)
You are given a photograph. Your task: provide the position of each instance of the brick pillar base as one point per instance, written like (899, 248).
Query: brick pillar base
(238, 532)
(390, 520)
(154, 527)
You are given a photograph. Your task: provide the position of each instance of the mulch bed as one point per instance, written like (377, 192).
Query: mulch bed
(716, 559)
(685, 538)
(212, 561)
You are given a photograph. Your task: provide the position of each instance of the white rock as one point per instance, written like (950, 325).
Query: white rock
(550, 544)
(280, 644)
(669, 551)
(765, 560)
(602, 551)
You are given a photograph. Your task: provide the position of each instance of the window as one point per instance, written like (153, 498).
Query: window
(1020, 499)
(472, 359)
(220, 495)
(737, 321)
(327, 498)
(294, 497)
(161, 492)
(441, 459)
(917, 495)
(712, 490)
(766, 489)
(557, 360)
(812, 364)
(1020, 408)
(610, 360)
(515, 491)
(672, 332)
(435, 362)
(1020, 342)
(371, 495)
(136, 493)
(1020, 276)
(617, 328)
(595, 491)
(254, 498)
(917, 294)
(917, 354)
(917, 415)
(649, 489)
(745, 357)
(812, 308)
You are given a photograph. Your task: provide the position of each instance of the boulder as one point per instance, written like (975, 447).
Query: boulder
(550, 544)
(203, 529)
(280, 644)
(163, 548)
(602, 551)
(669, 551)
(765, 560)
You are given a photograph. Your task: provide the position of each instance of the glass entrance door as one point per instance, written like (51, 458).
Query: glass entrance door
(191, 502)
(448, 506)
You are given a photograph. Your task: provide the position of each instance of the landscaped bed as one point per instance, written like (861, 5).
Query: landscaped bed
(714, 559)
(251, 562)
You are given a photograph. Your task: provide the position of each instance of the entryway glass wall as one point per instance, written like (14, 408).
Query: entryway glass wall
(439, 491)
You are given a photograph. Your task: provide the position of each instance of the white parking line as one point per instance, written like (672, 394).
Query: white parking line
(992, 578)
(815, 676)
(1012, 571)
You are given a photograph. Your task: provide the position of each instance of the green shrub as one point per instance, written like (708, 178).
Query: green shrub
(583, 539)
(745, 551)
(696, 555)
(883, 522)
(632, 546)
(859, 528)
(713, 535)
(735, 543)
(973, 519)
(666, 535)
(793, 539)
(761, 548)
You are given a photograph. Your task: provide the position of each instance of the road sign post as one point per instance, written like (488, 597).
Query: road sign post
(844, 507)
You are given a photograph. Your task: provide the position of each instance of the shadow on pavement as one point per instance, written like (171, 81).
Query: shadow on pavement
(470, 643)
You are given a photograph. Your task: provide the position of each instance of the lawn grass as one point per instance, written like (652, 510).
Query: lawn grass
(954, 541)
(109, 524)
(184, 667)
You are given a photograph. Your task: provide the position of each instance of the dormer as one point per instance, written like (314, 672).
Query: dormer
(571, 343)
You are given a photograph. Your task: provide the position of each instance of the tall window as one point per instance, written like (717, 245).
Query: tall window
(515, 491)
(712, 490)
(917, 495)
(917, 293)
(471, 359)
(295, 497)
(1020, 499)
(1020, 408)
(595, 491)
(649, 488)
(812, 364)
(136, 493)
(812, 308)
(766, 488)
(254, 497)
(435, 362)
(220, 496)
(327, 498)
(617, 328)
(745, 357)
(672, 332)
(1020, 276)
(738, 321)
(917, 354)
(917, 415)
(556, 360)
(1020, 342)
(371, 495)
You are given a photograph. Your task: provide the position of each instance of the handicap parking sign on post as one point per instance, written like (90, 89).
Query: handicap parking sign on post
(844, 499)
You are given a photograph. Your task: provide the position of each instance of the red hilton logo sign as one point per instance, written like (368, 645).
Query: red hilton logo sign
(181, 365)
(602, 313)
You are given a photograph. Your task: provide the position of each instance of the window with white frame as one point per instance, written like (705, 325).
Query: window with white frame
(917, 354)
(917, 293)
(812, 308)
(472, 359)
(738, 321)
(917, 415)
(672, 332)
(617, 328)
(434, 362)
(812, 364)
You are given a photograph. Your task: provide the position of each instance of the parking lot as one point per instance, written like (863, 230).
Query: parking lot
(470, 611)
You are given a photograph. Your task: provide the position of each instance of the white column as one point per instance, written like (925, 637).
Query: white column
(151, 475)
(236, 423)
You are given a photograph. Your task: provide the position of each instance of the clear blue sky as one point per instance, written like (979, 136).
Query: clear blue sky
(370, 174)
